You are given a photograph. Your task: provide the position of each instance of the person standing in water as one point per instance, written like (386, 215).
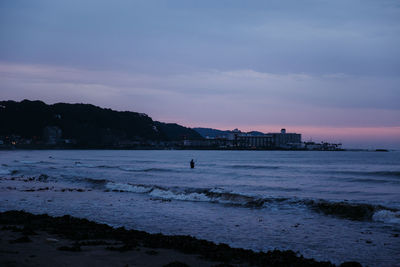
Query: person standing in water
(192, 164)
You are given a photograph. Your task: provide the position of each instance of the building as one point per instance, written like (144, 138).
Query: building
(240, 140)
(268, 141)
(233, 135)
(285, 140)
(322, 146)
(254, 142)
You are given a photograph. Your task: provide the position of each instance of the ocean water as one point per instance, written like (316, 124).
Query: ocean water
(336, 206)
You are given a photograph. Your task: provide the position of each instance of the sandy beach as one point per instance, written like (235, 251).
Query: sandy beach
(44, 249)
(41, 240)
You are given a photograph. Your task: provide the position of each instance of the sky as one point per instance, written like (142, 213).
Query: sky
(327, 69)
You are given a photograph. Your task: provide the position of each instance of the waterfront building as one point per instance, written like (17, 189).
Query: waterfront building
(285, 140)
(254, 142)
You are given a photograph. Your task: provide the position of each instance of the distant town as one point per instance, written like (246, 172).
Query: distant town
(233, 140)
(256, 140)
(36, 125)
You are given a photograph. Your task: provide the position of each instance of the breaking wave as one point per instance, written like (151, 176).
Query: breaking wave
(122, 187)
(345, 210)
(387, 216)
(352, 211)
(215, 195)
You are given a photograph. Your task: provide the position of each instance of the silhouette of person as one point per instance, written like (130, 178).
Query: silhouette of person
(192, 164)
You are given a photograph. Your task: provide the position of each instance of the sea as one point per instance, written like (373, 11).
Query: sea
(328, 205)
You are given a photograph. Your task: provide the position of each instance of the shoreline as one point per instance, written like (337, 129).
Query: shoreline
(83, 239)
(149, 148)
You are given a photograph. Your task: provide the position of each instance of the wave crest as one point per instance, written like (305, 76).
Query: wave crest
(387, 216)
(345, 210)
(122, 187)
(353, 211)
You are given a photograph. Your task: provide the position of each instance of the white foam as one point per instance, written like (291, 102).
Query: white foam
(387, 216)
(128, 187)
(166, 194)
(217, 190)
(4, 172)
(158, 192)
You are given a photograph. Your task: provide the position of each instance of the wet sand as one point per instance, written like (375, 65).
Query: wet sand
(41, 240)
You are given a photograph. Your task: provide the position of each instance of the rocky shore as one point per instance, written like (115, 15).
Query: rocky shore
(31, 240)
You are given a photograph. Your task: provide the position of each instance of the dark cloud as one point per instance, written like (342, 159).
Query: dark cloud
(357, 37)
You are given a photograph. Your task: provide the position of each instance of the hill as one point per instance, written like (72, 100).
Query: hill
(86, 124)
